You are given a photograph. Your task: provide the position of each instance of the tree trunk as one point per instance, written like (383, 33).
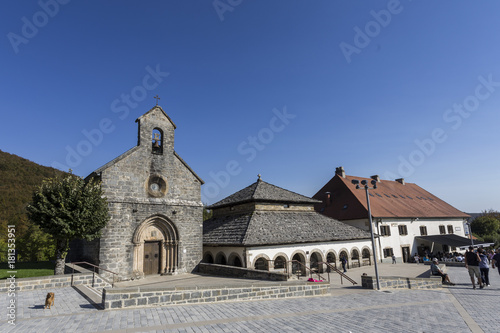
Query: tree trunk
(61, 252)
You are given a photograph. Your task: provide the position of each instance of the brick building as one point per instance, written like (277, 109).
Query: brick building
(406, 218)
(155, 207)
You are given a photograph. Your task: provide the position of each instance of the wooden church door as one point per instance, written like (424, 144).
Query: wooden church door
(151, 258)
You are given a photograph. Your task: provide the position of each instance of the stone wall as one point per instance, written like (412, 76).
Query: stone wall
(397, 282)
(54, 281)
(238, 272)
(140, 297)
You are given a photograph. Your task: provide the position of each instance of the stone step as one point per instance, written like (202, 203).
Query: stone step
(92, 295)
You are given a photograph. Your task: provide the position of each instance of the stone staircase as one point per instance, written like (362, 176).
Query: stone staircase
(91, 294)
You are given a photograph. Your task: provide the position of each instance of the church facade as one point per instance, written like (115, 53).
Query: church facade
(155, 206)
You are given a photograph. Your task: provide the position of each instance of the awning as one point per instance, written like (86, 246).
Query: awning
(451, 240)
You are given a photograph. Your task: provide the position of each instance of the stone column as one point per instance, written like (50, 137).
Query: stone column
(163, 268)
(138, 262)
(175, 252)
(168, 260)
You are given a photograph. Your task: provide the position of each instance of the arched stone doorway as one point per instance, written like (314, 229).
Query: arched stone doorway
(208, 258)
(155, 247)
(314, 261)
(331, 259)
(235, 260)
(299, 264)
(220, 259)
(355, 260)
(366, 257)
(261, 264)
(343, 254)
(280, 263)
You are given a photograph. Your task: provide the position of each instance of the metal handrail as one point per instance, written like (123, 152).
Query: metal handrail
(93, 275)
(336, 270)
(310, 270)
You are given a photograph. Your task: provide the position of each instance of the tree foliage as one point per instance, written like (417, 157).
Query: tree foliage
(68, 208)
(36, 245)
(487, 226)
(207, 213)
(19, 177)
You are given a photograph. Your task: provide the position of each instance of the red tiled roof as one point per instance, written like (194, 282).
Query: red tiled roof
(389, 199)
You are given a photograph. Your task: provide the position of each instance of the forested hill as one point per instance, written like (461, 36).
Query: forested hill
(18, 179)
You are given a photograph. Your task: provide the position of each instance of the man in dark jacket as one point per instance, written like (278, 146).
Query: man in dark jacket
(496, 260)
(472, 264)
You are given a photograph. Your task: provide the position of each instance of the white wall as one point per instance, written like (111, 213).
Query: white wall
(251, 254)
(397, 242)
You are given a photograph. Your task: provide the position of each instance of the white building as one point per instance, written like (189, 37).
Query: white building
(266, 227)
(406, 218)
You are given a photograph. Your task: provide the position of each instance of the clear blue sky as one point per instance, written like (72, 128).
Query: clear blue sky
(287, 89)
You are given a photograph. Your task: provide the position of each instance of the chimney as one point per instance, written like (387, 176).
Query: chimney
(376, 178)
(340, 171)
(328, 199)
(401, 180)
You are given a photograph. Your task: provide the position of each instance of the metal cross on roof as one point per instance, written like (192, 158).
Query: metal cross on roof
(157, 98)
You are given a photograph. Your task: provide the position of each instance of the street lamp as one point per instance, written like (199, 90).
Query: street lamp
(470, 232)
(366, 187)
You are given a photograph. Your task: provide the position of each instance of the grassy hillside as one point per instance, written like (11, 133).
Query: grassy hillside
(18, 178)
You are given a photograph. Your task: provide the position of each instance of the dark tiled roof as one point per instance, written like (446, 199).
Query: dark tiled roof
(389, 199)
(260, 191)
(276, 227)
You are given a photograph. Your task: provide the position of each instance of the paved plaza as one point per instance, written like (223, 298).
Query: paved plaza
(454, 309)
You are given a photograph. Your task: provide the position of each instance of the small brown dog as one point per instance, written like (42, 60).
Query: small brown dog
(49, 300)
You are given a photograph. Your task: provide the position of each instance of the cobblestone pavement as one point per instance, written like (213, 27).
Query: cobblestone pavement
(452, 309)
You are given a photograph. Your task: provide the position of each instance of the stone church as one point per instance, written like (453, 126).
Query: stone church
(155, 207)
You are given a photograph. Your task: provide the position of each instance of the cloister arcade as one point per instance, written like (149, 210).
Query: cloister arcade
(296, 262)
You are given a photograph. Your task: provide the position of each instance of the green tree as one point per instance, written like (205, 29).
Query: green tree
(485, 225)
(35, 245)
(3, 250)
(67, 209)
(207, 213)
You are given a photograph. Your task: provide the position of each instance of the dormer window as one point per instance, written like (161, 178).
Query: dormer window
(157, 141)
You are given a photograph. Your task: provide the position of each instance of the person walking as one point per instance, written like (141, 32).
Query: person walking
(343, 260)
(496, 260)
(472, 264)
(393, 259)
(484, 267)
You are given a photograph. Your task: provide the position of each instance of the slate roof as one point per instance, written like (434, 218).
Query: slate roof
(277, 227)
(273, 227)
(389, 200)
(260, 191)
